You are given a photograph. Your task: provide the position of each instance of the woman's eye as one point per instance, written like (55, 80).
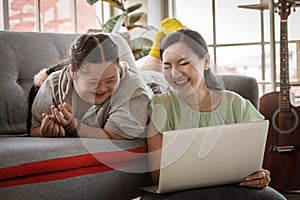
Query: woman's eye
(185, 63)
(166, 67)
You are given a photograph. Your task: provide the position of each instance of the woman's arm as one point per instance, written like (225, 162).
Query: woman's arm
(154, 141)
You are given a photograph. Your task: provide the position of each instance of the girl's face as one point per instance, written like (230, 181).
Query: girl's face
(183, 69)
(95, 82)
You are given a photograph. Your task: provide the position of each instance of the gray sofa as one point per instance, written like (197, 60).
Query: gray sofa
(66, 168)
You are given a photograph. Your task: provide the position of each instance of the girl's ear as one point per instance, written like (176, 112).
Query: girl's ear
(72, 71)
(206, 61)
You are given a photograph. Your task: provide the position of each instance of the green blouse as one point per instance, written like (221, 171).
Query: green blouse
(169, 111)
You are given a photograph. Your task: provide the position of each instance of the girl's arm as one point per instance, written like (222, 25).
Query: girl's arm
(73, 127)
(49, 128)
(154, 141)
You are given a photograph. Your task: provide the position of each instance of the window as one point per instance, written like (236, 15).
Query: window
(22, 15)
(240, 40)
(65, 16)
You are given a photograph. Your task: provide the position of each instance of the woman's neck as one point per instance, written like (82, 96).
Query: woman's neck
(204, 101)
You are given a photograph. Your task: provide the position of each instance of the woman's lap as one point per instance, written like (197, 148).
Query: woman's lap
(231, 192)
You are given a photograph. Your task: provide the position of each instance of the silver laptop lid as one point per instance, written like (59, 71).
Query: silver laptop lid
(208, 156)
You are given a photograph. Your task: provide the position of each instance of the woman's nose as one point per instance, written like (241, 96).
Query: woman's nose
(175, 73)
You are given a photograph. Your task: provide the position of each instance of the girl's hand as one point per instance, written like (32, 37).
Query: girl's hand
(64, 116)
(260, 179)
(50, 128)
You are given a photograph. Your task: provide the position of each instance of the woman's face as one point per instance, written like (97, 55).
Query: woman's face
(95, 82)
(183, 69)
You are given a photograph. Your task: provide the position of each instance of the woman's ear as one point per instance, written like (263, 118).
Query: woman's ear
(72, 71)
(206, 61)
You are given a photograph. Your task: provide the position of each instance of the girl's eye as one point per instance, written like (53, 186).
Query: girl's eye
(110, 81)
(93, 83)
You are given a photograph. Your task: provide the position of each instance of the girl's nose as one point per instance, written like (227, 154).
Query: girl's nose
(100, 87)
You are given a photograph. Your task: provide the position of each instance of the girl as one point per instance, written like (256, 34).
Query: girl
(93, 95)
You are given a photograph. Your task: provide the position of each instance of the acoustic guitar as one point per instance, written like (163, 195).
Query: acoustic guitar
(282, 153)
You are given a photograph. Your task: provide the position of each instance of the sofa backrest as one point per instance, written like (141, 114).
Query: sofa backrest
(23, 55)
(246, 86)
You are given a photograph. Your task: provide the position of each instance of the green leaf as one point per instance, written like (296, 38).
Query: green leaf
(148, 27)
(134, 18)
(113, 24)
(140, 47)
(114, 3)
(133, 8)
(91, 2)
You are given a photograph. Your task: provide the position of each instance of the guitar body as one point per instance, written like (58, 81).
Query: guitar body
(284, 131)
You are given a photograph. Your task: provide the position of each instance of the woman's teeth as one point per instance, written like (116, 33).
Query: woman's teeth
(182, 81)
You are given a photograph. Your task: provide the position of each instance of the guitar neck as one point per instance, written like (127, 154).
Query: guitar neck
(284, 94)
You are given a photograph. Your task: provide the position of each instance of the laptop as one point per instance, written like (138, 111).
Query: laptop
(210, 156)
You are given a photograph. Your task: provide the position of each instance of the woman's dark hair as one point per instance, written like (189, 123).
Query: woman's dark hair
(198, 45)
(94, 48)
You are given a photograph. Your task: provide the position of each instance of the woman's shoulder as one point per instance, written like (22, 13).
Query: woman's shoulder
(165, 98)
(231, 95)
(235, 100)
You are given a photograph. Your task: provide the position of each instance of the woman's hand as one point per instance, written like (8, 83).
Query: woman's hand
(50, 128)
(260, 179)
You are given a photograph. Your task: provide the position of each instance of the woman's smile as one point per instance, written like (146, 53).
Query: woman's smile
(181, 81)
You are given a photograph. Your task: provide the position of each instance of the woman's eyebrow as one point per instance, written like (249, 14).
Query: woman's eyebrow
(178, 61)
(182, 59)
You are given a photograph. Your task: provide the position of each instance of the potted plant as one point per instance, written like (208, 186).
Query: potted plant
(141, 45)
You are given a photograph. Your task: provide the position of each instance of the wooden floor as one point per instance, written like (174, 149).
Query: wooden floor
(292, 196)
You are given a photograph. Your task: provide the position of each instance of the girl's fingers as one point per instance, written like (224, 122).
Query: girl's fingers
(55, 130)
(66, 113)
(44, 125)
(58, 116)
(62, 131)
(68, 107)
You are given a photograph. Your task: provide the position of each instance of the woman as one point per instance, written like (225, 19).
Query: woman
(93, 95)
(198, 100)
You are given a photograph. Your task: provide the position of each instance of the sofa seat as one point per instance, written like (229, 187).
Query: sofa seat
(35, 161)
